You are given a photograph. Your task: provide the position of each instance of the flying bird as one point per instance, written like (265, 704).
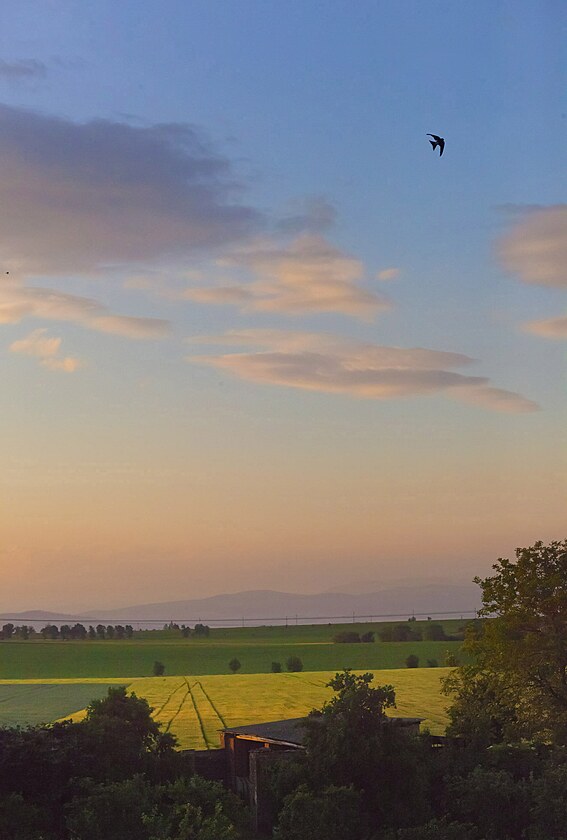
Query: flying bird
(437, 141)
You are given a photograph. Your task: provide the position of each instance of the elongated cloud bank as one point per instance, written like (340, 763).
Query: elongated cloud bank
(18, 302)
(79, 196)
(332, 364)
(305, 276)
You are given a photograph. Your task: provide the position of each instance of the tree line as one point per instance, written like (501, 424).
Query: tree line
(78, 631)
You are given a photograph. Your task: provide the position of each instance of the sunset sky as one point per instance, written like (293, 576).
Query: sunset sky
(254, 331)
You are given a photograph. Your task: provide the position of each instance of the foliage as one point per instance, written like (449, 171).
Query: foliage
(433, 632)
(276, 668)
(294, 663)
(400, 633)
(158, 669)
(520, 653)
(346, 637)
(412, 661)
(436, 830)
(367, 637)
(333, 813)
(134, 809)
(351, 742)
(432, 663)
(235, 665)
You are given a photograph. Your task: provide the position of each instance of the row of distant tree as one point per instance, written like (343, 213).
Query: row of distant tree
(78, 631)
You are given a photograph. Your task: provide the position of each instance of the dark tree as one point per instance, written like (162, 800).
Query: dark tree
(520, 653)
(412, 661)
(158, 669)
(276, 667)
(294, 663)
(234, 665)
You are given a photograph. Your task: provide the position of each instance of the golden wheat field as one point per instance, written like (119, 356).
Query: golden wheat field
(194, 708)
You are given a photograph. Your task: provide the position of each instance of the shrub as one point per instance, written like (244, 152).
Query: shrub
(276, 667)
(159, 669)
(432, 663)
(412, 661)
(333, 813)
(434, 633)
(294, 663)
(346, 637)
(451, 660)
(367, 637)
(235, 665)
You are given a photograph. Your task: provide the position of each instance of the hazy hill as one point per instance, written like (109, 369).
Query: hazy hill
(266, 604)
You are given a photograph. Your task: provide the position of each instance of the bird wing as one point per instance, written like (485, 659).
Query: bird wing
(435, 137)
(441, 146)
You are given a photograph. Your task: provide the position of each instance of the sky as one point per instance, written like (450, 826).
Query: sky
(254, 331)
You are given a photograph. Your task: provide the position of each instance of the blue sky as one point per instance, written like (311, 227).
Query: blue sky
(255, 330)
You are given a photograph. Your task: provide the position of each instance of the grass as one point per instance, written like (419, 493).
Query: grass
(56, 659)
(27, 703)
(195, 708)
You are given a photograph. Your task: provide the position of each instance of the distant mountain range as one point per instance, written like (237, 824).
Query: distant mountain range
(268, 606)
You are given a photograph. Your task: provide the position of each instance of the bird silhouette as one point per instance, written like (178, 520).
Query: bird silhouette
(437, 141)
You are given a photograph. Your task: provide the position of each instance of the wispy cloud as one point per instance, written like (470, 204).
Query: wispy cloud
(18, 301)
(22, 70)
(536, 248)
(76, 197)
(307, 275)
(555, 328)
(388, 274)
(332, 364)
(46, 349)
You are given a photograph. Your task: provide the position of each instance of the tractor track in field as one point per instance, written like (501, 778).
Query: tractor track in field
(183, 701)
(199, 718)
(214, 708)
(160, 709)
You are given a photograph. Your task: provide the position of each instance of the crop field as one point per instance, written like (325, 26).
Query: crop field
(60, 660)
(28, 703)
(195, 708)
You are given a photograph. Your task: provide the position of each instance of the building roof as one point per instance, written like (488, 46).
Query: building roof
(292, 731)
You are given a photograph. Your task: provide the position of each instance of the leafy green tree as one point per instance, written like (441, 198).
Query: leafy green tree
(520, 653)
(351, 742)
(294, 663)
(235, 665)
(276, 667)
(412, 661)
(158, 669)
(434, 632)
(333, 813)
(346, 637)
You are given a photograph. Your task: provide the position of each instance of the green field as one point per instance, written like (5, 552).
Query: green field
(255, 647)
(27, 703)
(195, 708)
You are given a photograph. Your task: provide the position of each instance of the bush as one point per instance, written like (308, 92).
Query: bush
(434, 633)
(400, 633)
(451, 661)
(432, 663)
(346, 637)
(367, 637)
(333, 813)
(412, 661)
(235, 665)
(158, 669)
(276, 667)
(294, 663)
